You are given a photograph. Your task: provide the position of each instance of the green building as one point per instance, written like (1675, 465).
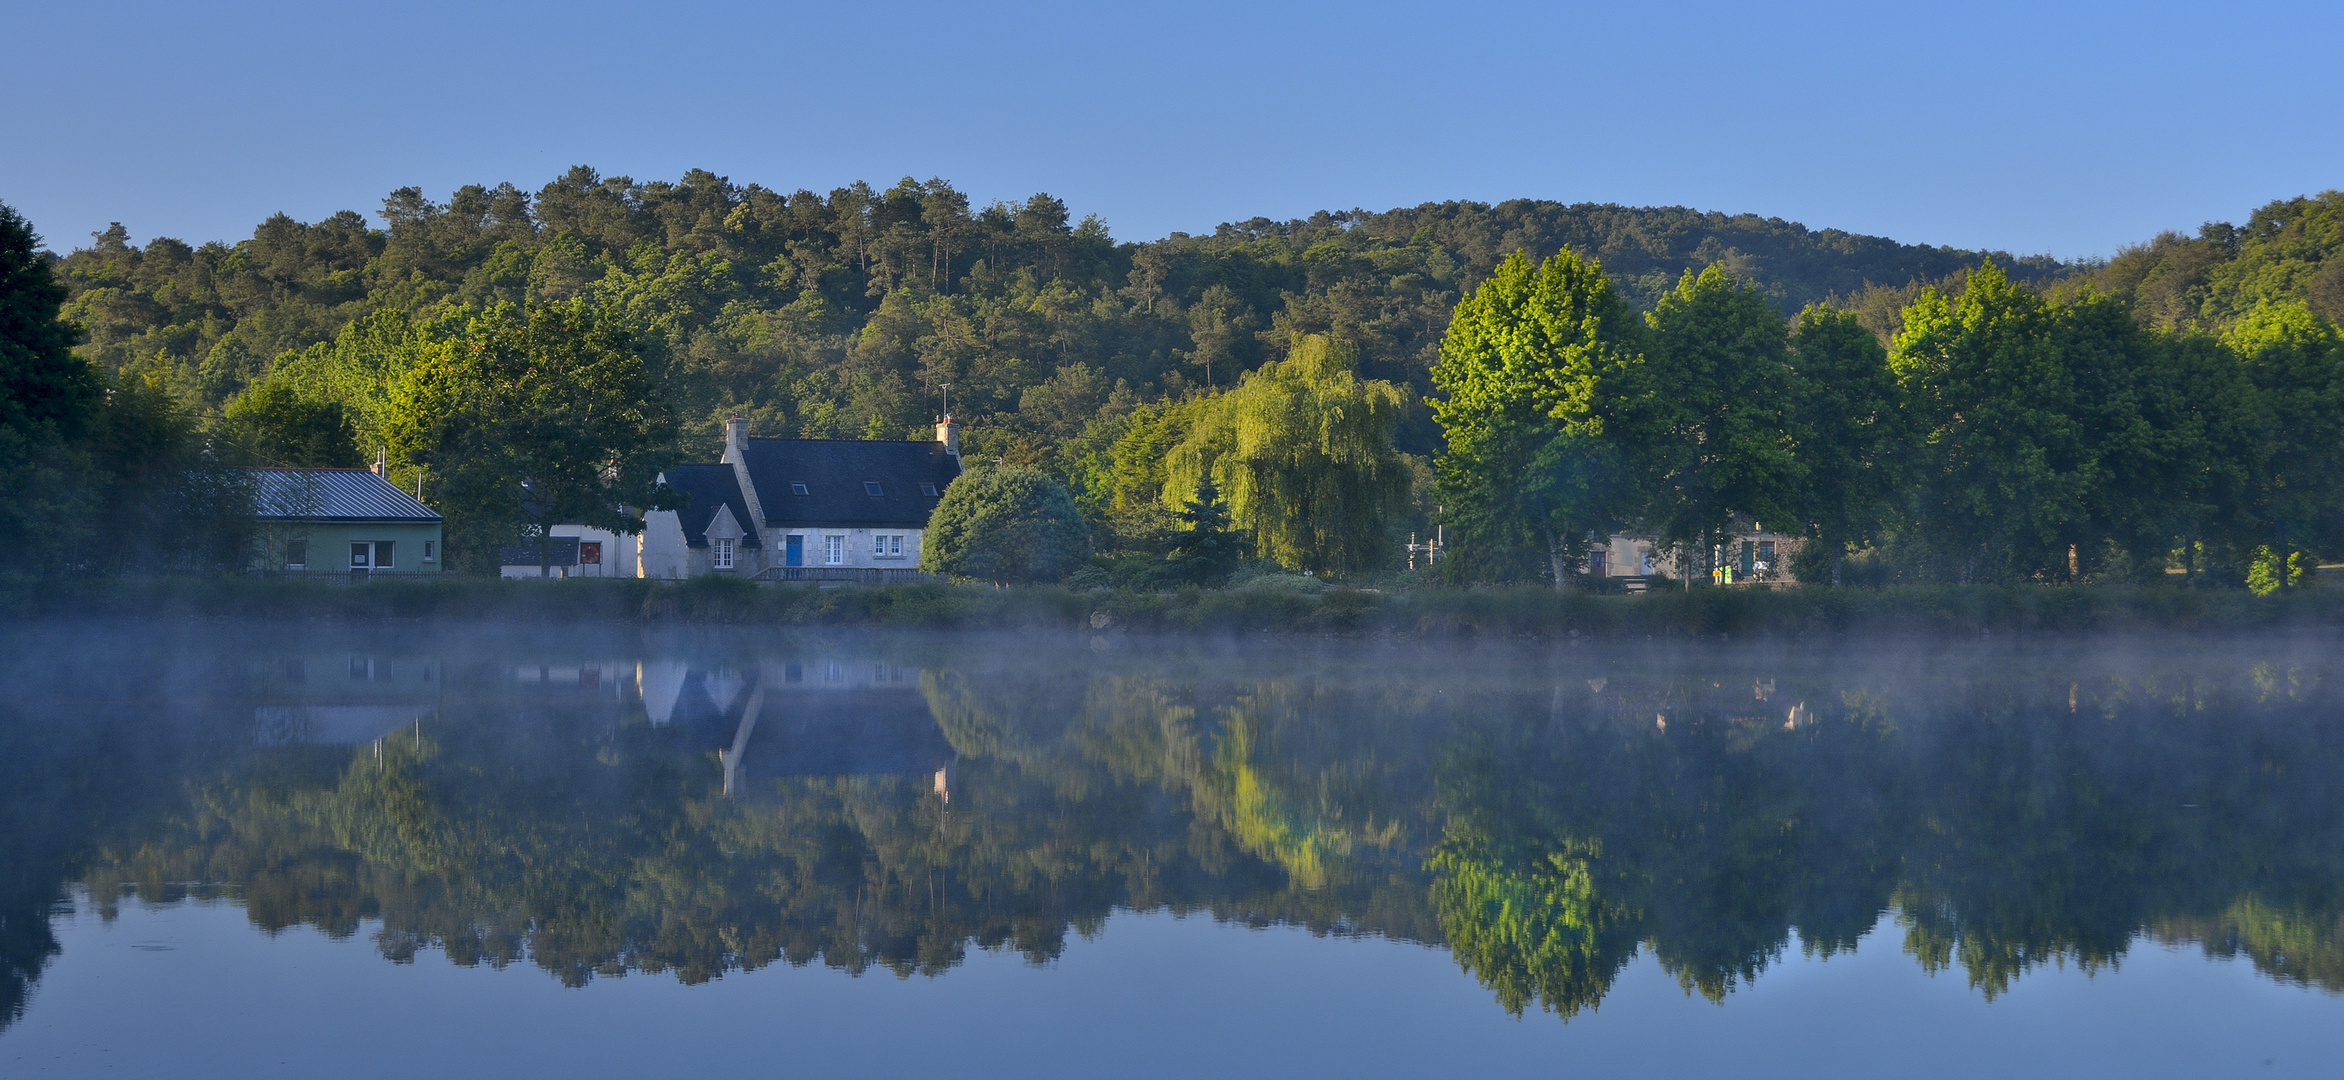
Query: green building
(342, 521)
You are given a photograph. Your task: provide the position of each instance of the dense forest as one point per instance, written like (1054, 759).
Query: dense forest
(842, 316)
(1128, 372)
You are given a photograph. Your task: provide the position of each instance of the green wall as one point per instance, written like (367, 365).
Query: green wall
(329, 546)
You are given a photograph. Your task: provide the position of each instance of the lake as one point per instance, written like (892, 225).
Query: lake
(416, 849)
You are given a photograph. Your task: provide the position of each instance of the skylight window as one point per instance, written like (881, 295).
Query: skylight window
(928, 490)
(799, 489)
(871, 488)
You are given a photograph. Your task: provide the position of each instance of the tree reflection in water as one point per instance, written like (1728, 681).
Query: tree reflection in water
(1545, 817)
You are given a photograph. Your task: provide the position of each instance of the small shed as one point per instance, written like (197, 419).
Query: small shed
(342, 521)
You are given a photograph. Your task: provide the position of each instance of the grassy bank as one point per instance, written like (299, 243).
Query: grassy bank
(1291, 605)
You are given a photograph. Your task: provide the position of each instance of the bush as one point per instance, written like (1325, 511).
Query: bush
(1007, 526)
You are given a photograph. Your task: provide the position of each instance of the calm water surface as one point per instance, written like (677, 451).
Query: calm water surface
(266, 850)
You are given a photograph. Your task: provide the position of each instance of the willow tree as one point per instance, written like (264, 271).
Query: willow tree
(1302, 450)
(1543, 388)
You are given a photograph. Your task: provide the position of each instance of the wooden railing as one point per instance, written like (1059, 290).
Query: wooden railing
(851, 575)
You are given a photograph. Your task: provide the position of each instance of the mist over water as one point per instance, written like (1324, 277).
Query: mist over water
(1988, 837)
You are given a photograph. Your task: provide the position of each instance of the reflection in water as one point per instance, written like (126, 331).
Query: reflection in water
(891, 805)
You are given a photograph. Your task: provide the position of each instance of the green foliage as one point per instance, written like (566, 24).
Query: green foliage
(2291, 250)
(1207, 548)
(1847, 414)
(1545, 400)
(525, 420)
(273, 424)
(1303, 448)
(43, 385)
(1005, 525)
(1719, 446)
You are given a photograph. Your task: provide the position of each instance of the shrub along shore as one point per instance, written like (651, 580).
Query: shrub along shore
(1294, 606)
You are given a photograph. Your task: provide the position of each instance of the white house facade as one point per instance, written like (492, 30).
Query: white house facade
(789, 509)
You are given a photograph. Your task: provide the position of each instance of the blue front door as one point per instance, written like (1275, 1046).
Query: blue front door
(796, 551)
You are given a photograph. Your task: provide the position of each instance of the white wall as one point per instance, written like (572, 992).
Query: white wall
(664, 554)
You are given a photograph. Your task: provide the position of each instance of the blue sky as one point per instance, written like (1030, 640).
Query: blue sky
(2071, 129)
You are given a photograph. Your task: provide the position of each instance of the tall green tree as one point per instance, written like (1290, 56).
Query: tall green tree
(1543, 391)
(2295, 359)
(1723, 449)
(1847, 415)
(42, 384)
(1303, 450)
(2005, 469)
(531, 419)
(47, 399)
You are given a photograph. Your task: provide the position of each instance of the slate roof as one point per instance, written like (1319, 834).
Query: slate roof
(334, 495)
(835, 471)
(709, 486)
(565, 553)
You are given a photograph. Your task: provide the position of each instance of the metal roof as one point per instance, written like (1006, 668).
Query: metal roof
(837, 474)
(333, 495)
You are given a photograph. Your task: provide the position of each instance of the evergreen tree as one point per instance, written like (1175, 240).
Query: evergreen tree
(1207, 549)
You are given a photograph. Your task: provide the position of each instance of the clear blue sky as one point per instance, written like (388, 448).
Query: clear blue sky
(2039, 127)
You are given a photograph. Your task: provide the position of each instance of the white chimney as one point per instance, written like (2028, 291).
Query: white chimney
(736, 438)
(382, 462)
(948, 434)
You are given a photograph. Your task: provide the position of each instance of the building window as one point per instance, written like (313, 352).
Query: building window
(799, 489)
(871, 488)
(928, 490)
(721, 553)
(590, 553)
(382, 554)
(833, 550)
(296, 554)
(360, 555)
(889, 546)
(428, 552)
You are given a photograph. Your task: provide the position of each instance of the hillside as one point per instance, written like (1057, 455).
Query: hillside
(844, 314)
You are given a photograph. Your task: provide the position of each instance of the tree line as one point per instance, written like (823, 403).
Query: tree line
(1999, 434)
(1138, 375)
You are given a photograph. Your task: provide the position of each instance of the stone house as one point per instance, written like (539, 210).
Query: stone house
(802, 509)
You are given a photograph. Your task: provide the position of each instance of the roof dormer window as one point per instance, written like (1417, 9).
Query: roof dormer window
(799, 489)
(871, 488)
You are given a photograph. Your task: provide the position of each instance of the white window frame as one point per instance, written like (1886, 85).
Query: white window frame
(720, 552)
(378, 563)
(355, 547)
(833, 550)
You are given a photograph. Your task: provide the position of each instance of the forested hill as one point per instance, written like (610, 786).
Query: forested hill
(843, 315)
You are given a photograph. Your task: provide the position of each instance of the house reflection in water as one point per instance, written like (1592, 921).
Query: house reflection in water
(817, 718)
(308, 702)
